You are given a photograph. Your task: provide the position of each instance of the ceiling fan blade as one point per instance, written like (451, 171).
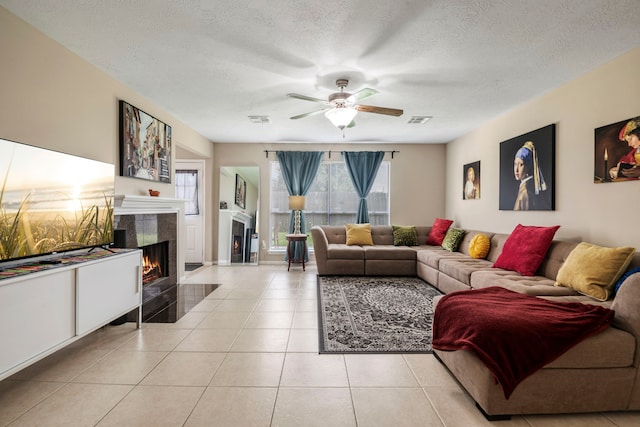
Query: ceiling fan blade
(308, 98)
(379, 110)
(312, 113)
(362, 94)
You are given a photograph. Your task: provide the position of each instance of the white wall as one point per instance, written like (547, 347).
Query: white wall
(604, 214)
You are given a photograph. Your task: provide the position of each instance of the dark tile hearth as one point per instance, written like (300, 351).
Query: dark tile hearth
(190, 295)
(191, 266)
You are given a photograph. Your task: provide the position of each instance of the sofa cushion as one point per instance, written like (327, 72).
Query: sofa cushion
(335, 233)
(382, 234)
(438, 231)
(452, 239)
(479, 246)
(497, 243)
(358, 234)
(461, 268)
(404, 235)
(530, 285)
(342, 251)
(593, 270)
(557, 254)
(432, 255)
(389, 252)
(423, 233)
(468, 237)
(526, 248)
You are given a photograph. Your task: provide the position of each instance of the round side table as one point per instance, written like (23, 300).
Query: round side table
(290, 252)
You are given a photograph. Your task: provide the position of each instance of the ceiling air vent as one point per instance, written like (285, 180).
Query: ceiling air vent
(260, 120)
(418, 120)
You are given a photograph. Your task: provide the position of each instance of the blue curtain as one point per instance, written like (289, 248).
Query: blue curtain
(299, 169)
(363, 167)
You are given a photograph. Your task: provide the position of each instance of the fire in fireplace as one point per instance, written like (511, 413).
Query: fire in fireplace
(155, 260)
(237, 242)
(237, 245)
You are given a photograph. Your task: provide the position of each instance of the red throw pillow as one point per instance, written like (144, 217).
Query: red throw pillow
(438, 231)
(525, 249)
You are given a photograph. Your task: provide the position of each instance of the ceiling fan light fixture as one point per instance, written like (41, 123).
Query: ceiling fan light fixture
(341, 117)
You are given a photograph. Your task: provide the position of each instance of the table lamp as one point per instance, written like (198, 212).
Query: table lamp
(296, 204)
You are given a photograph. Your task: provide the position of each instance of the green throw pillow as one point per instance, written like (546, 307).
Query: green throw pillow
(405, 235)
(452, 239)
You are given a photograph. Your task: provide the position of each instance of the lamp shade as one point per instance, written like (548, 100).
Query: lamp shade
(296, 203)
(341, 117)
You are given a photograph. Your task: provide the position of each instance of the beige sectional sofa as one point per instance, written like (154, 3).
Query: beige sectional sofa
(601, 373)
(334, 257)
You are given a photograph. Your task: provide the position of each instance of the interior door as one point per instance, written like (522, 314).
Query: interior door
(189, 186)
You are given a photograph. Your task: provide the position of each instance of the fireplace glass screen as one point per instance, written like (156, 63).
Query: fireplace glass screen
(155, 262)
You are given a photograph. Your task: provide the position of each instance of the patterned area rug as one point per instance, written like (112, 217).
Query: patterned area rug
(375, 314)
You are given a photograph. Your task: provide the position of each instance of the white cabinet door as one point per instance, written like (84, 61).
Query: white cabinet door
(107, 289)
(37, 313)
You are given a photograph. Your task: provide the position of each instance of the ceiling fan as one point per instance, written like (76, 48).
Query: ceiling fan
(342, 107)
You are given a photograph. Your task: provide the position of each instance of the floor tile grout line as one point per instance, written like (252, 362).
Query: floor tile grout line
(62, 385)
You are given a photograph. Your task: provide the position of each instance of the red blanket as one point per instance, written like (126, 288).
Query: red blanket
(512, 333)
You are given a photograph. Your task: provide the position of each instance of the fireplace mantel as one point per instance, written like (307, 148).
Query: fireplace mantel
(127, 204)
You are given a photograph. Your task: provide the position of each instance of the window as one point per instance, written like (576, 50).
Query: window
(187, 188)
(332, 200)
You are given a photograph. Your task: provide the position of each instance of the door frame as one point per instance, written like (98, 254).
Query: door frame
(199, 165)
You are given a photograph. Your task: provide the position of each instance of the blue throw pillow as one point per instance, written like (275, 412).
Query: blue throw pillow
(625, 276)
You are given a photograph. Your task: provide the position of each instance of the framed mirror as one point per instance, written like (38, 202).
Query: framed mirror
(238, 220)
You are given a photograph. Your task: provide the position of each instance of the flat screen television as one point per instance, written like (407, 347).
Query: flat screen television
(52, 202)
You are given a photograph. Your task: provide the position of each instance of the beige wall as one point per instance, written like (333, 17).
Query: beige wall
(53, 99)
(417, 178)
(604, 214)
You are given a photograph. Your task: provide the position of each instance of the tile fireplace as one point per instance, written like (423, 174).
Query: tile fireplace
(156, 235)
(154, 224)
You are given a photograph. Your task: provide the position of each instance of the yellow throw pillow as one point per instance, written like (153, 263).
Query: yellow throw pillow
(359, 234)
(479, 246)
(593, 270)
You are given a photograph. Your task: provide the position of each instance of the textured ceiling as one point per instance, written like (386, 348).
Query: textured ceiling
(213, 63)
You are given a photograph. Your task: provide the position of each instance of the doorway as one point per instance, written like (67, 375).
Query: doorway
(190, 187)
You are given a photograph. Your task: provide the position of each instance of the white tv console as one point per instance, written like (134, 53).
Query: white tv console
(43, 311)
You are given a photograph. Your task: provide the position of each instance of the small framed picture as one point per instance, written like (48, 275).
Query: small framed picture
(471, 181)
(617, 152)
(241, 192)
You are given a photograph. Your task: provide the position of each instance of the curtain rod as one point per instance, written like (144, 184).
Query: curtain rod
(274, 151)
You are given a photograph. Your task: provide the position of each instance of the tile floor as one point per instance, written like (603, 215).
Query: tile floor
(247, 355)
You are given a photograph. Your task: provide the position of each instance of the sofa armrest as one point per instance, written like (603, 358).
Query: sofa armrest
(320, 246)
(626, 304)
